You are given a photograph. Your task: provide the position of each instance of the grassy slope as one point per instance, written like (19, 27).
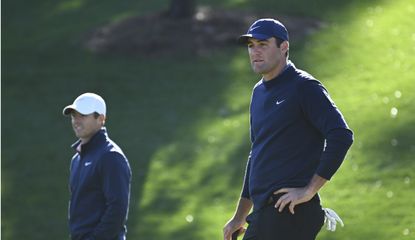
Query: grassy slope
(368, 73)
(368, 76)
(183, 122)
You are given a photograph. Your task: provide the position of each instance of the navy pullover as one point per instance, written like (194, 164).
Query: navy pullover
(296, 132)
(100, 182)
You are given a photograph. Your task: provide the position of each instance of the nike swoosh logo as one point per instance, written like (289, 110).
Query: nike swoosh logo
(279, 102)
(87, 164)
(252, 29)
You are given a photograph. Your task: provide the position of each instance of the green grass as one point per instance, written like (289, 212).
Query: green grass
(183, 122)
(373, 77)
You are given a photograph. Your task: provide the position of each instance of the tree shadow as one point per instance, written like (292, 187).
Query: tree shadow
(394, 147)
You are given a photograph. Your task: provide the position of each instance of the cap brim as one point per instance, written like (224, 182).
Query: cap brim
(68, 109)
(243, 39)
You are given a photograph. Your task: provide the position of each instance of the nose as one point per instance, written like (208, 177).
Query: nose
(254, 50)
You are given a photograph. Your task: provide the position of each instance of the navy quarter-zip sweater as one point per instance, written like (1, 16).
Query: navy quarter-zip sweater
(296, 131)
(100, 179)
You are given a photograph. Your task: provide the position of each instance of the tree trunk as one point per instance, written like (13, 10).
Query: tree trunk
(181, 8)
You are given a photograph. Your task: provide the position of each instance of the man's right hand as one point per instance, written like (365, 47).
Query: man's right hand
(232, 226)
(237, 222)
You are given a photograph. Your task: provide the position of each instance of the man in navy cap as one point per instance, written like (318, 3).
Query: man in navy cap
(299, 140)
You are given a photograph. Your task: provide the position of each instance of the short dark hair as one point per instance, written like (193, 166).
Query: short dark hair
(279, 41)
(96, 116)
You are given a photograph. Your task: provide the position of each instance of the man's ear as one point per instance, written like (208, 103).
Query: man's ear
(285, 46)
(102, 119)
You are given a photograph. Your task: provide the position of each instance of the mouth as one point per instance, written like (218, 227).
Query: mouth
(77, 128)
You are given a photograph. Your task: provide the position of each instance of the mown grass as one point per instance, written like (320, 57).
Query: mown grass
(183, 122)
(370, 69)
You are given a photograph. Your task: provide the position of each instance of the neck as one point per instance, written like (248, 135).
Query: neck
(84, 140)
(277, 71)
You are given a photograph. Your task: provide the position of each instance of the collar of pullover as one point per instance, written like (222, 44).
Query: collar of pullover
(282, 77)
(100, 136)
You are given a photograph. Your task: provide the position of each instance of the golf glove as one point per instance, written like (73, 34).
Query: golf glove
(331, 218)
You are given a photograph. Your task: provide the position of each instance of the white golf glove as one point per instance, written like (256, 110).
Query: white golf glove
(331, 218)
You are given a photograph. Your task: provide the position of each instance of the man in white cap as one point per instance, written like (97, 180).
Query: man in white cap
(100, 175)
(299, 140)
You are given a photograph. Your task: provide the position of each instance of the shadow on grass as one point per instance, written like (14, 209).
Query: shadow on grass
(394, 147)
(188, 170)
(146, 107)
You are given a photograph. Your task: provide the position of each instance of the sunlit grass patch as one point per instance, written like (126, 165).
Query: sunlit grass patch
(367, 71)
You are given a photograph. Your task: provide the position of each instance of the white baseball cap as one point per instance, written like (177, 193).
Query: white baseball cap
(87, 103)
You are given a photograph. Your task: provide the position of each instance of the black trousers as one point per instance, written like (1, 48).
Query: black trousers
(269, 224)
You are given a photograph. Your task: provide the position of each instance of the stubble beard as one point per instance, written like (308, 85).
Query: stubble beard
(258, 68)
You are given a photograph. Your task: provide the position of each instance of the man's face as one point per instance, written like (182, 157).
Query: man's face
(266, 58)
(85, 126)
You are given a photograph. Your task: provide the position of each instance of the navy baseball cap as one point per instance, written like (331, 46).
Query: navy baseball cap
(263, 29)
